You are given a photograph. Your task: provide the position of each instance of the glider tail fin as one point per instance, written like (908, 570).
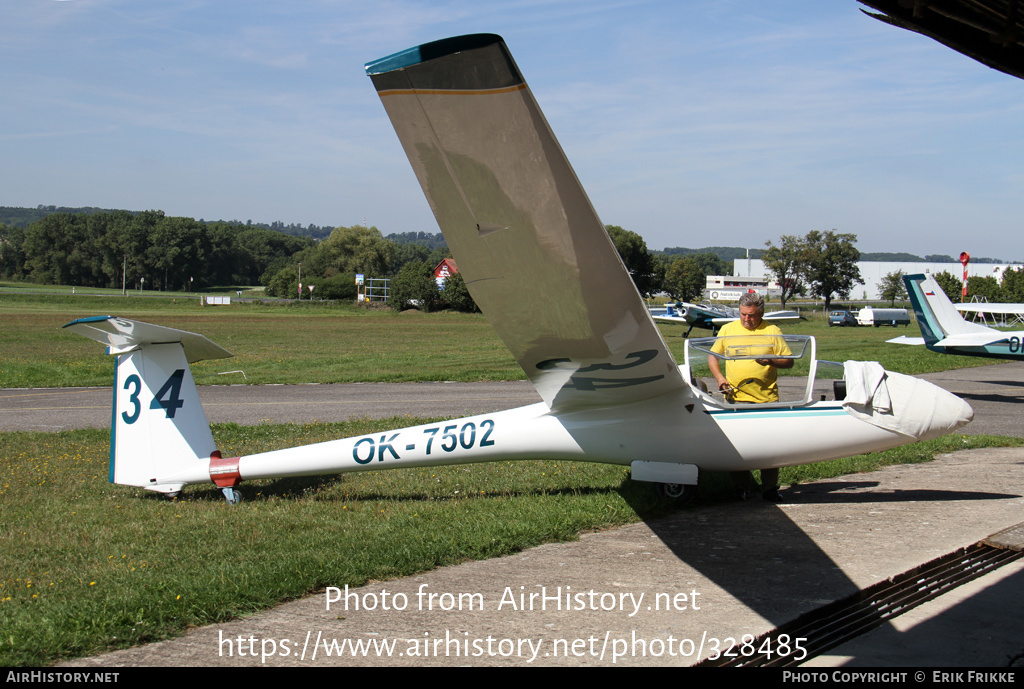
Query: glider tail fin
(160, 438)
(931, 307)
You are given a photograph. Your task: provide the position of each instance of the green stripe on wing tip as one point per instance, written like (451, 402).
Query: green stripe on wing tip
(430, 51)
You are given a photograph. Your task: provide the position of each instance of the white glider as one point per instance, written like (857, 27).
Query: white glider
(542, 268)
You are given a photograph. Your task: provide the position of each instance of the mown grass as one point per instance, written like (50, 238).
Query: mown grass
(282, 343)
(90, 567)
(272, 342)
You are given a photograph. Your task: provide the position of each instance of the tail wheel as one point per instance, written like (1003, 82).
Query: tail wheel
(232, 496)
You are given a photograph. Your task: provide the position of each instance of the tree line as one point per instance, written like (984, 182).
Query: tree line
(332, 264)
(141, 250)
(409, 259)
(17, 216)
(150, 250)
(98, 248)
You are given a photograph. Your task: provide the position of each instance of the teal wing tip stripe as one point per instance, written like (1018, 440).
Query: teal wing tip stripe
(430, 51)
(89, 319)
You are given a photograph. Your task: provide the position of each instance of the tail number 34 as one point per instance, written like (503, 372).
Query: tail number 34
(168, 397)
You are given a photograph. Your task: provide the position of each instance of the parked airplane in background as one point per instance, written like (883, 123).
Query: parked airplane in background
(944, 330)
(711, 317)
(986, 309)
(539, 263)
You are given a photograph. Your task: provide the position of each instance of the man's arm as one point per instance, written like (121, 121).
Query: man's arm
(716, 371)
(780, 347)
(777, 363)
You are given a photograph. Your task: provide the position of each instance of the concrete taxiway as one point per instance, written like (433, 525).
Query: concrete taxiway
(676, 590)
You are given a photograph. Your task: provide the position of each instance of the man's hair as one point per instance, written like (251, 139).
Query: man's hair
(752, 299)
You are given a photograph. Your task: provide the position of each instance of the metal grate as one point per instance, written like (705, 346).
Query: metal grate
(834, 624)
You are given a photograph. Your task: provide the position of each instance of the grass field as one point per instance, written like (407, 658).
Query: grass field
(272, 342)
(321, 343)
(86, 566)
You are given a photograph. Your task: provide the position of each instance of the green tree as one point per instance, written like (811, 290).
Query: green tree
(414, 286)
(285, 283)
(356, 249)
(684, 279)
(407, 253)
(179, 249)
(950, 284)
(12, 254)
(1013, 285)
(256, 250)
(641, 263)
(341, 287)
(788, 263)
(64, 249)
(832, 264)
(985, 286)
(126, 236)
(892, 287)
(456, 296)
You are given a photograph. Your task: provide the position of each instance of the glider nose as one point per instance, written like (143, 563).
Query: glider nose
(949, 413)
(902, 403)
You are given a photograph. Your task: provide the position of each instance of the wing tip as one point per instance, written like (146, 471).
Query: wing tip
(430, 51)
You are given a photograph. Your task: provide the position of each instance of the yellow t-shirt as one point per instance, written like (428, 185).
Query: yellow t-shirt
(752, 381)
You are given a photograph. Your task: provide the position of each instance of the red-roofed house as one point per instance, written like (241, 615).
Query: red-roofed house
(445, 269)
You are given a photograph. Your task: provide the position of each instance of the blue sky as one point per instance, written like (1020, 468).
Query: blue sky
(692, 123)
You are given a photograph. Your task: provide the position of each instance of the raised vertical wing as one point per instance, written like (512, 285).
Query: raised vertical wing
(533, 252)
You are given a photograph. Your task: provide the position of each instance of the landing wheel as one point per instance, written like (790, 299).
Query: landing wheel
(681, 493)
(232, 496)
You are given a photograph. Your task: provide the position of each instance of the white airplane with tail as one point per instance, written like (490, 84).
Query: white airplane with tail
(712, 317)
(944, 330)
(541, 266)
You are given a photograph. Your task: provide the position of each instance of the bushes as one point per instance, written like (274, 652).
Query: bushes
(456, 296)
(285, 284)
(414, 287)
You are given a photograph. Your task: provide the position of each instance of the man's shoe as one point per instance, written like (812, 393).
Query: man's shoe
(773, 495)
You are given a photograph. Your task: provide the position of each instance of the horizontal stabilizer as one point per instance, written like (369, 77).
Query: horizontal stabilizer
(973, 339)
(903, 339)
(122, 335)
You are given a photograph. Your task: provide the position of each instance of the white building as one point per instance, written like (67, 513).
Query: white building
(872, 272)
(729, 288)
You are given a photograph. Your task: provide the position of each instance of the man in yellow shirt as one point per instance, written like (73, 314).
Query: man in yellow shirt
(752, 380)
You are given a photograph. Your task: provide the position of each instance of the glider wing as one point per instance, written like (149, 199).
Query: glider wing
(530, 246)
